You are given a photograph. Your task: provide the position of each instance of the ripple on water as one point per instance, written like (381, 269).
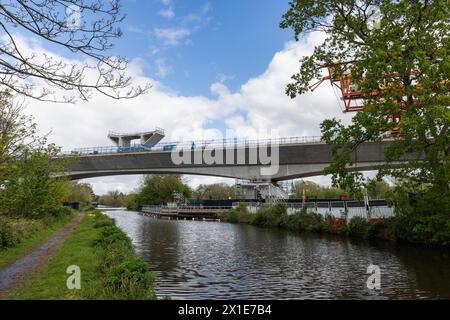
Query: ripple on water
(209, 260)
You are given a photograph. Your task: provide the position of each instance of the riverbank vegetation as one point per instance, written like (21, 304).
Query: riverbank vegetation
(433, 230)
(158, 189)
(110, 269)
(31, 199)
(214, 191)
(402, 77)
(81, 193)
(20, 235)
(374, 190)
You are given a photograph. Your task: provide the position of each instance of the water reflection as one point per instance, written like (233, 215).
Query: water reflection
(209, 260)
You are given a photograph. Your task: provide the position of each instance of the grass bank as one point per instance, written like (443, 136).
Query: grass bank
(19, 235)
(108, 265)
(428, 230)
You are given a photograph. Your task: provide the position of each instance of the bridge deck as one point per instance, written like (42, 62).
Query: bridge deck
(195, 145)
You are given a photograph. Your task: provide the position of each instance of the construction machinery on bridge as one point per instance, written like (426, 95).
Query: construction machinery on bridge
(353, 98)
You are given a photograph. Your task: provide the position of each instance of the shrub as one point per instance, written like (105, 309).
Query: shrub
(8, 238)
(232, 216)
(239, 214)
(275, 216)
(60, 212)
(434, 229)
(358, 227)
(13, 231)
(304, 221)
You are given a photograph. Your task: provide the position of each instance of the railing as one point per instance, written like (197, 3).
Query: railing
(157, 130)
(348, 209)
(183, 208)
(195, 145)
(205, 208)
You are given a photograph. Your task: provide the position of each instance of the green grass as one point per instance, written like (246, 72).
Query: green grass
(39, 237)
(50, 282)
(82, 248)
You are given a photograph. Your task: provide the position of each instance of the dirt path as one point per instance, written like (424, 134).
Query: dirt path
(15, 273)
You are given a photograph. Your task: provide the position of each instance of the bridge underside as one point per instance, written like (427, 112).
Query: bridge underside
(252, 173)
(292, 161)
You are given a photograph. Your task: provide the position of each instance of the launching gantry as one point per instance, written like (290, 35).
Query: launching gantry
(146, 138)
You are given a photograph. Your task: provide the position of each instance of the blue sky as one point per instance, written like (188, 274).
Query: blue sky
(214, 65)
(190, 44)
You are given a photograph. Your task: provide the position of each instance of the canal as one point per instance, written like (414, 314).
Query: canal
(214, 260)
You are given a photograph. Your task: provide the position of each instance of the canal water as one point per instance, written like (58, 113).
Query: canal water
(216, 260)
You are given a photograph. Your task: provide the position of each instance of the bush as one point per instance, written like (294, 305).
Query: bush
(232, 216)
(414, 227)
(60, 212)
(275, 216)
(8, 238)
(239, 214)
(358, 227)
(13, 231)
(433, 230)
(304, 221)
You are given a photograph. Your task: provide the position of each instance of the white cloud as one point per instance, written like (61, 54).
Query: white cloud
(223, 77)
(200, 15)
(172, 36)
(167, 13)
(162, 68)
(166, 2)
(259, 104)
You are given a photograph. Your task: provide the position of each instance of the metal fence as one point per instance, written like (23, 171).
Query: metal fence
(346, 209)
(184, 209)
(338, 209)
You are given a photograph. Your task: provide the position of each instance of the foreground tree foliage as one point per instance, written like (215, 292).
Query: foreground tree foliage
(403, 57)
(27, 168)
(84, 28)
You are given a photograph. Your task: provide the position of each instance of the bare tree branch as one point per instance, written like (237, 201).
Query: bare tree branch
(84, 27)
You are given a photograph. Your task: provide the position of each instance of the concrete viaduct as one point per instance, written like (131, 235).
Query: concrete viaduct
(296, 160)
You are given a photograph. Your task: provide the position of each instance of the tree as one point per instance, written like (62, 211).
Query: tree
(402, 68)
(158, 189)
(215, 191)
(313, 190)
(27, 166)
(309, 188)
(113, 198)
(85, 28)
(80, 192)
(378, 189)
(17, 131)
(30, 190)
(131, 202)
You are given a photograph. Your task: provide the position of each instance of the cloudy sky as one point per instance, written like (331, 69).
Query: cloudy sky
(214, 65)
